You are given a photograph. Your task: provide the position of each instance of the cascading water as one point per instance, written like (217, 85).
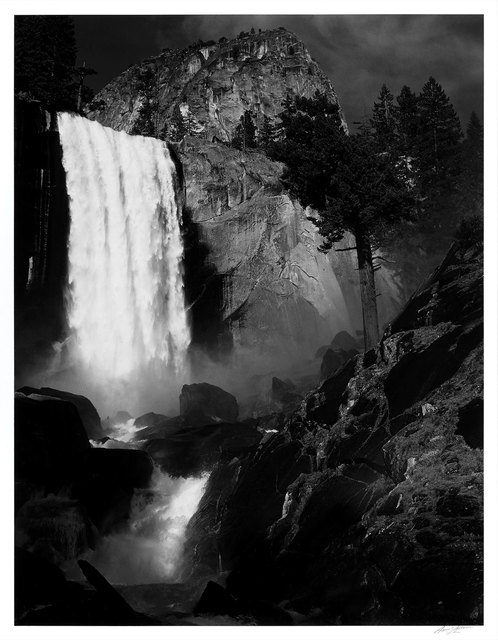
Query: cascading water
(127, 321)
(125, 303)
(150, 549)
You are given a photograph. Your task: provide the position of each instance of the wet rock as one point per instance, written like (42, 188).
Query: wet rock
(150, 419)
(216, 601)
(56, 528)
(104, 481)
(258, 497)
(87, 412)
(190, 450)
(210, 401)
(49, 437)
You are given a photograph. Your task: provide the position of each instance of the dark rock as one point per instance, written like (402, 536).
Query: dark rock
(471, 423)
(454, 506)
(108, 593)
(390, 550)
(192, 449)
(419, 372)
(201, 550)
(209, 400)
(284, 393)
(104, 481)
(323, 405)
(216, 601)
(57, 528)
(258, 497)
(332, 360)
(369, 358)
(150, 420)
(454, 292)
(345, 341)
(37, 581)
(429, 539)
(49, 437)
(442, 589)
(87, 412)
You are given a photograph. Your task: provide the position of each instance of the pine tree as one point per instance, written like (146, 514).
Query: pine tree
(45, 57)
(245, 133)
(85, 94)
(267, 135)
(147, 122)
(351, 185)
(437, 150)
(407, 121)
(471, 182)
(384, 119)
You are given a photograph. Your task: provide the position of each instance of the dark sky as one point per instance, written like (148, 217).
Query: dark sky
(359, 53)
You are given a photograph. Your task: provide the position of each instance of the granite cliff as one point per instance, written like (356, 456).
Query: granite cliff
(274, 294)
(212, 84)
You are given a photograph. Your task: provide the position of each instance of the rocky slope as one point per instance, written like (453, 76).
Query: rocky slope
(212, 84)
(363, 505)
(366, 506)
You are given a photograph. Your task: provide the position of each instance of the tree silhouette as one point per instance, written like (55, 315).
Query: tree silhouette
(45, 58)
(353, 187)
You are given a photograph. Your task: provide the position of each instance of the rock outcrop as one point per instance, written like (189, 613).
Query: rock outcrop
(207, 399)
(212, 84)
(87, 412)
(367, 506)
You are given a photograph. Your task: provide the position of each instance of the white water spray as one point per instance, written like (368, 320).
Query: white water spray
(150, 550)
(125, 307)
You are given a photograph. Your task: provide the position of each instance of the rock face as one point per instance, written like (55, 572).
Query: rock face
(87, 412)
(366, 507)
(212, 84)
(49, 438)
(256, 284)
(207, 399)
(277, 297)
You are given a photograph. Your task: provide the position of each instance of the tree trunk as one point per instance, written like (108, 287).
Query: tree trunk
(367, 290)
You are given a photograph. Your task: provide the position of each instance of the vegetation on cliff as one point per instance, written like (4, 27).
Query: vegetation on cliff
(45, 63)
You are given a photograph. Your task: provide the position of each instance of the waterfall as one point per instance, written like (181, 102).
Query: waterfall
(125, 300)
(151, 548)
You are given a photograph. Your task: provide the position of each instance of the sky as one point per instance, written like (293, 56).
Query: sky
(359, 53)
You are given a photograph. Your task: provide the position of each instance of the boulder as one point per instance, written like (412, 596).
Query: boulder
(37, 581)
(57, 528)
(333, 359)
(49, 438)
(192, 449)
(104, 481)
(150, 419)
(209, 400)
(87, 412)
(216, 601)
(284, 393)
(345, 341)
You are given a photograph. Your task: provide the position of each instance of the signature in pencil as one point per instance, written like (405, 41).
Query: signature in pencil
(447, 629)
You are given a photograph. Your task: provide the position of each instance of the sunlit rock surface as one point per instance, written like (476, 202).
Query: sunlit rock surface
(214, 84)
